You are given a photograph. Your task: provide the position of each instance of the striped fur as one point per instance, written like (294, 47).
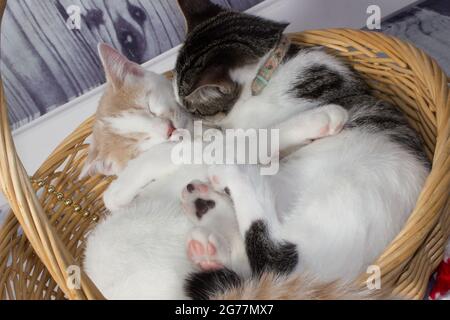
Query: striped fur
(225, 40)
(271, 286)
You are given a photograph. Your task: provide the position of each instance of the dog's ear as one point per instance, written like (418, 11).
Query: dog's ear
(198, 11)
(117, 67)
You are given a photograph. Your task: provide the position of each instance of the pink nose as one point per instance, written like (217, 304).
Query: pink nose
(171, 130)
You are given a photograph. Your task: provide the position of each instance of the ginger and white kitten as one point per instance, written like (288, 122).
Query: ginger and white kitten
(140, 250)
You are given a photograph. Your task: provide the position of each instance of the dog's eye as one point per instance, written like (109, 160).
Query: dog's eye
(137, 13)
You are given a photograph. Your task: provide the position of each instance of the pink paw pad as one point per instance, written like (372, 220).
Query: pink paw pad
(203, 257)
(195, 248)
(203, 188)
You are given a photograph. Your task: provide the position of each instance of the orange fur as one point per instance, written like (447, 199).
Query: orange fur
(298, 287)
(108, 145)
(127, 91)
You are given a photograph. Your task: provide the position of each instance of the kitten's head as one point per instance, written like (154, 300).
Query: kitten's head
(134, 113)
(218, 41)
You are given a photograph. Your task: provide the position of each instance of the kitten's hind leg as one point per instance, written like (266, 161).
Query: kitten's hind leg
(215, 242)
(257, 218)
(208, 250)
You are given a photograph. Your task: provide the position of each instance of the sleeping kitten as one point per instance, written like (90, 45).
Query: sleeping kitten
(337, 202)
(140, 251)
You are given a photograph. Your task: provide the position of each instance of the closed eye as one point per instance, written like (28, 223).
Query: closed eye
(147, 99)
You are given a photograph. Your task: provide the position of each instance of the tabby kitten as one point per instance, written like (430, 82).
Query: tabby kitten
(337, 202)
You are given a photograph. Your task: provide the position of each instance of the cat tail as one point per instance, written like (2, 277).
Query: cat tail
(227, 285)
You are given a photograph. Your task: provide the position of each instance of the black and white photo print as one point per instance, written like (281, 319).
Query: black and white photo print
(49, 48)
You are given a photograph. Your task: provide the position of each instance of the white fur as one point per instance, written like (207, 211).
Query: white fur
(131, 122)
(161, 100)
(340, 203)
(273, 106)
(139, 252)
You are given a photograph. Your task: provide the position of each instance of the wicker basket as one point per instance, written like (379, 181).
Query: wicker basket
(53, 210)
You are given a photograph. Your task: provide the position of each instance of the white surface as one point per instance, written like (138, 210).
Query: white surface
(38, 139)
(319, 14)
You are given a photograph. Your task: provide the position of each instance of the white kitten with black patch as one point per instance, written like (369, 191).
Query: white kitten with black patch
(338, 201)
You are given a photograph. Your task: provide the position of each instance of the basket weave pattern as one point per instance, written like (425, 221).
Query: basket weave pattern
(52, 212)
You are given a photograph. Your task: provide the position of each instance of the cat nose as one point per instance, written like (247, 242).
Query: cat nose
(171, 129)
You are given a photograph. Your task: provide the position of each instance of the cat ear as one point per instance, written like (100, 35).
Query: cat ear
(214, 81)
(117, 67)
(197, 11)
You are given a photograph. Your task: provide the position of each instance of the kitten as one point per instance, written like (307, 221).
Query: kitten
(336, 202)
(140, 251)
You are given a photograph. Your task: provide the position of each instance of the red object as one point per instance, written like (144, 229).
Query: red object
(441, 289)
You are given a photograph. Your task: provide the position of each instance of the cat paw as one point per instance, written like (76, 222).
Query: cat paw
(198, 199)
(207, 250)
(337, 117)
(218, 177)
(225, 178)
(117, 197)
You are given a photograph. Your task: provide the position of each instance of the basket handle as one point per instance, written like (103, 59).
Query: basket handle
(23, 200)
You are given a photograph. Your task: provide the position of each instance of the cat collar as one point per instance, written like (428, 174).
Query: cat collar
(270, 66)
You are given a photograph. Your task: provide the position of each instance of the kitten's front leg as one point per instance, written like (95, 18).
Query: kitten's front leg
(321, 122)
(149, 166)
